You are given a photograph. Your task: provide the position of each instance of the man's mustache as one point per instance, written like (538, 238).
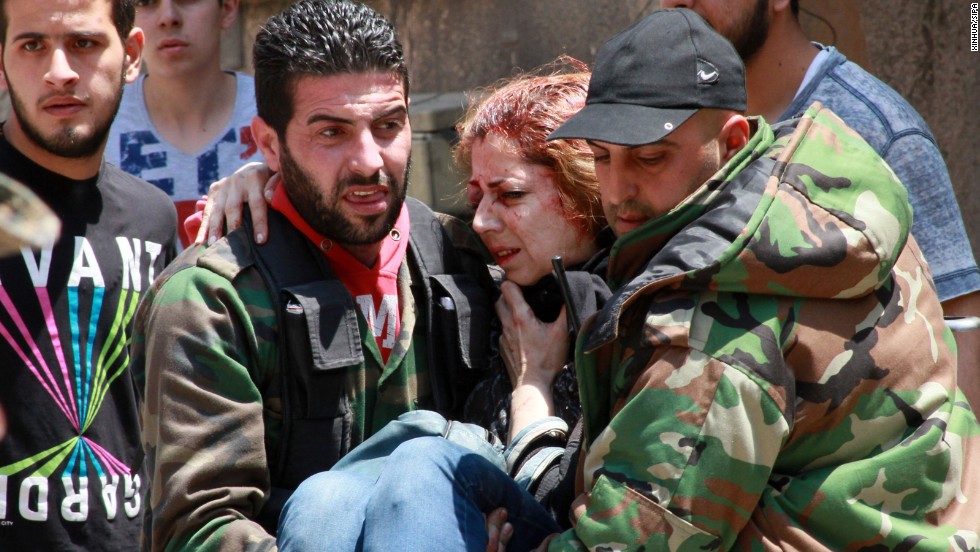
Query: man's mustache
(379, 178)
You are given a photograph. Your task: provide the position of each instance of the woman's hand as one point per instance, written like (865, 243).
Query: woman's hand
(252, 184)
(534, 353)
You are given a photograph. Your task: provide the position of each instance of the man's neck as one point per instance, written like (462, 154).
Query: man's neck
(75, 168)
(773, 74)
(190, 113)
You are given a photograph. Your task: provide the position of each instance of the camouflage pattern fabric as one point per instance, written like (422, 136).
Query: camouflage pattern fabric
(773, 371)
(25, 220)
(206, 355)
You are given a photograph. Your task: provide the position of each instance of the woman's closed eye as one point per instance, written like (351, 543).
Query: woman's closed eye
(512, 195)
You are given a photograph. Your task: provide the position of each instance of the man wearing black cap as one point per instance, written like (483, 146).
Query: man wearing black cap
(772, 371)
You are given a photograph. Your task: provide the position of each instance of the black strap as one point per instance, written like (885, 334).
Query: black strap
(432, 256)
(318, 339)
(457, 311)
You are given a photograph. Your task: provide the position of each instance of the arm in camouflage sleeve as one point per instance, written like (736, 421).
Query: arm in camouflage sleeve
(203, 424)
(683, 461)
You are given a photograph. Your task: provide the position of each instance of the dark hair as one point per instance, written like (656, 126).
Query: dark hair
(526, 109)
(795, 6)
(319, 38)
(123, 17)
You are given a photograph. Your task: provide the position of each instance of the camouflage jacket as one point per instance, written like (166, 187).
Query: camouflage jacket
(206, 354)
(773, 371)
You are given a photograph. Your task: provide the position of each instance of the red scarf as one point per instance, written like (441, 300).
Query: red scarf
(375, 289)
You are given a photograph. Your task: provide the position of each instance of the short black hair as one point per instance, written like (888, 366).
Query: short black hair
(795, 6)
(319, 38)
(123, 18)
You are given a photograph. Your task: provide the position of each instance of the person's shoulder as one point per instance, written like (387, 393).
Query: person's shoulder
(439, 234)
(244, 89)
(223, 261)
(244, 79)
(229, 255)
(132, 91)
(132, 108)
(865, 102)
(131, 117)
(138, 205)
(117, 182)
(460, 234)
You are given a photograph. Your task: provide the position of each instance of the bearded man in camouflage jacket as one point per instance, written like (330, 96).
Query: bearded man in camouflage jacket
(261, 366)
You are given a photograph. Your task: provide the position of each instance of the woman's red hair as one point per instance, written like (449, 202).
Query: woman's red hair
(525, 110)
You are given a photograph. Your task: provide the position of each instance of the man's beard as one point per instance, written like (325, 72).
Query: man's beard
(66, 142)
(322, 212)
(749, 34)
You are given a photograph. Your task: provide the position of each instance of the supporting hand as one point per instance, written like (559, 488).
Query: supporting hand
(499, 531)
(253, 185)
(534, 353)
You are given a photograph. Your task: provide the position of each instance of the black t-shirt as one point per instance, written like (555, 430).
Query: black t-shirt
(71, 464)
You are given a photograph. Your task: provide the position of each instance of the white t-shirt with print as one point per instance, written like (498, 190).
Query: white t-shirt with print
(136, 147)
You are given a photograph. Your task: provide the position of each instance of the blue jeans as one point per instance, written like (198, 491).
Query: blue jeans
(431, 496)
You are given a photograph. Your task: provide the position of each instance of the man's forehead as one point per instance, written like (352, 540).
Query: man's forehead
(350, 92)
(51, 17)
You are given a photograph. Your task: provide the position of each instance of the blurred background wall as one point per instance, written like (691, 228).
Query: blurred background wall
(920, 48)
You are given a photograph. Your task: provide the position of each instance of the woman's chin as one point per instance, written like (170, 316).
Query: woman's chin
(523, 278)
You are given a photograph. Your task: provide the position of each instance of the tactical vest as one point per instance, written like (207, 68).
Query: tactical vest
(319, 339)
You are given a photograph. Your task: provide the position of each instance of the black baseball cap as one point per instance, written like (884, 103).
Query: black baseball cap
(655, 75)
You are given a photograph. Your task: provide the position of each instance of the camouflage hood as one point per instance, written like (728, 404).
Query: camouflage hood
(786, 212)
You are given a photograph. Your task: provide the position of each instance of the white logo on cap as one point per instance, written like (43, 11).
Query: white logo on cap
(707, 77)
(707, 73)
(669, 126)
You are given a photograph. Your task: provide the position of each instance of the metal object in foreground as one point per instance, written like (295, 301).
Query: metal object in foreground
(566, 293)
(25, 220)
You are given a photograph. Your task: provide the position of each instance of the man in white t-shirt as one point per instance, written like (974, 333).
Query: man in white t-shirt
(186, 123)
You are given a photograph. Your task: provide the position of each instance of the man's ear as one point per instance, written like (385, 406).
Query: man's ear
(134, 54)
(3, 70)
(735, 134)
(779, 5)
(229, 12)
(268, 141)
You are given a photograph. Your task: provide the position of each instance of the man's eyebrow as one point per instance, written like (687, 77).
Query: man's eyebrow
(320, 117)
(30, 35)
(34, 35)
(87, 34)
(492, 184)
(398, 110)
(323, 117)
